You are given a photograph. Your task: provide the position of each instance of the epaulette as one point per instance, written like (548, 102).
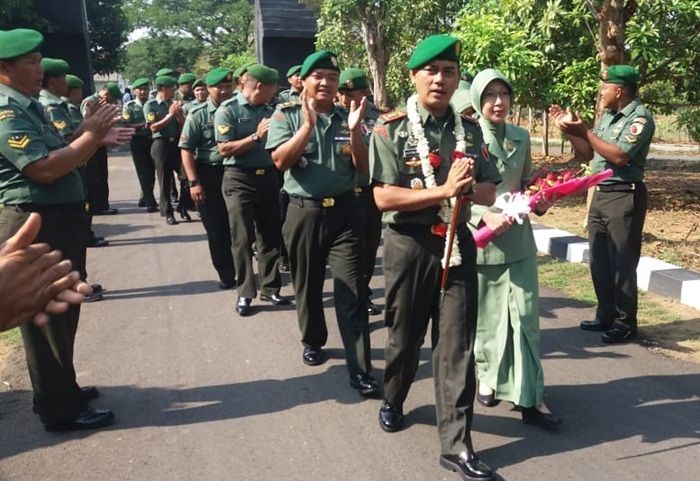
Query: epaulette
(228, 101)
(392, 116)
(287, 105)
(469, 119)
(4, 100)
(197, 108)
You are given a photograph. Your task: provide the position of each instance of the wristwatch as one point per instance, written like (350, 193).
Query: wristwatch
(193, 183)
(255, 137)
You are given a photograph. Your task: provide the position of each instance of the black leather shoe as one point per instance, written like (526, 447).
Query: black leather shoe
(151, 208)
(313, 356)
(373, 309)
(364, 384)
(595, 325)
(185, 216)
(284, 265)
(142, 203)
(106, 212)
(391, 417)
(94, 297)
(170, 220)
(224, 285)
(275, 299)
(243, 306)
(468, 466)
(90, 392)
(89, 418)
(538, 418)
(617, 334)
(97, 288)
(98, 242)
(488, 400)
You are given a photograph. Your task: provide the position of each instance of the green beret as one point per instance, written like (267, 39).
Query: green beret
(353, 79)
(461, 99)
(435, 47)
(293, 70)
(140, 82)
(321, 59)
(166, 72)
(74, 82)
(218, 75)
(113, 90)
(19, 41)
(54, 67)
(165, 81)
(620, 75)
(186, 78)
(263, 74)
(198, 83)
(242, 69)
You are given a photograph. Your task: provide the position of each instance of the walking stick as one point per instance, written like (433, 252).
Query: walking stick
(450, 242)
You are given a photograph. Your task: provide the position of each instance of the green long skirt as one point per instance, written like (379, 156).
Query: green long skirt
(507, 347)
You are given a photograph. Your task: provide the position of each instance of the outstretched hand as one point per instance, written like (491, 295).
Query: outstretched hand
(357, 113)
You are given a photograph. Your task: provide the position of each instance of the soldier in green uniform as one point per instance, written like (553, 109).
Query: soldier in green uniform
(199, 88)
(414, 182)
(53, 87)
(296, 85)
(354, 86)
(321, 146)
(250, 186)
(73, 98)
(141, 142)
(185, 92)
(38, 173)
(164, 118)
(240, 74)
(205, 171)
(616, 216)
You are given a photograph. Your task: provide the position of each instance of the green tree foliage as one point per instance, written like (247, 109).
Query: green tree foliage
(144, 57)
(21, 14)
(107, 30)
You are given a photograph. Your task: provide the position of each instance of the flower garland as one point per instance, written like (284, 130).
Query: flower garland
(427, 167)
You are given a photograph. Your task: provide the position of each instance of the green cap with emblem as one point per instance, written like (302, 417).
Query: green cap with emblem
(218, 75)
(165, 81)
(263, 74)
(19, 41)
(54, 67)
(113, 90)
(353, 79)
(620, 75)
(74, 82)
(198, 83)
(140, 82)
(186, 78)
(242, 69)
(166, 72)
(293, 70)
(435, 47)
(322, 59)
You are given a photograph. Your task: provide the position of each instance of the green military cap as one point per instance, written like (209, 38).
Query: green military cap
(321, 59)
(435, 47)
(165, 81)
(166, 72)
(293, 70)
(113, 90)
(242, 69)
(73, 81)
(620, 75)
(198, 83)
(263, 73)
(186, 78)
(140, 82)
(461, 99)
(54, 67)
(19, 41)
(218, 75)
(353, 79)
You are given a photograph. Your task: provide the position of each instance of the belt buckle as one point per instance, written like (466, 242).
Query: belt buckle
(260, 172)
(171, 139)
(328, 202)
(358, 190)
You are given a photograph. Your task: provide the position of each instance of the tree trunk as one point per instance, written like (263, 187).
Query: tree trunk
(377, 54)
(545, 133)
(530, 123)
(518, 115)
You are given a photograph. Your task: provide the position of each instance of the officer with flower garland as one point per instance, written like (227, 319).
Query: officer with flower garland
(415, 183)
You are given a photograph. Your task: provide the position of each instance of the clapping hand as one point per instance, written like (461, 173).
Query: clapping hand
(568, 122)
(357, 113)
(307, 110)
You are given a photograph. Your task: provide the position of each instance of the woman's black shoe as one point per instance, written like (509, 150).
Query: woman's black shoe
(488, 400)
(185, 216)
(538, 418)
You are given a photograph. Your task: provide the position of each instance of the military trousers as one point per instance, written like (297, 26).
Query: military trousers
(97, 181)
(413, 270)
(145, 168)
(252, 201)
(166, 157)
(615, 223)
(284, 204)
(371, 234)
(316, 235)
(49, 349)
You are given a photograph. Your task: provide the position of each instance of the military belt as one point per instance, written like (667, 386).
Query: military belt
(250, 170)
(326, 202)
(167, 139)
(618, 187)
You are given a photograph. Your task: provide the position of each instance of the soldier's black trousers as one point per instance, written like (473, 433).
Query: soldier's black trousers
(252, 202)
(315, 235)
(96, 177)
(166, 157)
(371, 234)
(412, 271)
(284, 204)
(145, 167)
(215, 220)
(49, 349)
(615, 222)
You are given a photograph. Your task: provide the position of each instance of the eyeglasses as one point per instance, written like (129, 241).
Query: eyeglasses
(492, 96)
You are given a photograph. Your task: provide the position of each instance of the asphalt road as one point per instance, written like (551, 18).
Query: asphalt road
(202, 394)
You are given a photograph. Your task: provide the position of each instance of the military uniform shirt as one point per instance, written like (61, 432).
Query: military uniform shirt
(132, 114)
(76, 117)
(372, 114)
(326, 168)
(189, 106)
(237, 119)
(89, 100)
(56, 111)
(394, 159)
(198, 134)
(155, 110)
(288, 96)
(631, 129)
(25, 137)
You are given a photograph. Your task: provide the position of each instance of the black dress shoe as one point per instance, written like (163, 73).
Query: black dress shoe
(538, 418)
(275, 299)
(97, 242)
(372, 308)
(488, 400)
(468, 466)
(185, 216)
(284, 265)
(313, 356)
(390, 417)
(106, 212)
(142, 203)
(152, 208)
(89, 418)
(90, 392)
(170, 220)
(243, 306)
(364, 384)
(224, 285)
(595, 325)
(617, 334)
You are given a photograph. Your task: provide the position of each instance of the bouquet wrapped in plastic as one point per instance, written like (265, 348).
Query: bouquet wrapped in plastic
(550, 186)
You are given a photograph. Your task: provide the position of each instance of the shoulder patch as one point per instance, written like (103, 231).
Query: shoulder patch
(392, 116)
(287, 105)
(380, 130)
(7, 114)
(19, 142)
(126, 115)
(278, 116)
(151, 116)
(59, 124)
(223, 128)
